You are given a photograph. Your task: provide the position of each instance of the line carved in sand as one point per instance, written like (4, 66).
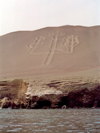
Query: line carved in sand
(36, 42)
(70, 41)
(67, 46)
(52, 46)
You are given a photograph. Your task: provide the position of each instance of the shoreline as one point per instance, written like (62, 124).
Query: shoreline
(50, 94)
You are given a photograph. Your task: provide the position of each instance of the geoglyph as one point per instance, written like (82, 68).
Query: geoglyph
(69, 41)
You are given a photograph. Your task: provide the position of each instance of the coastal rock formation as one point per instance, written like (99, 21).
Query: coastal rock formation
(82, 96)
(13, 104)
(16, 104)
(5, 103)
(12, 93)
(15, 89)
(85, 95)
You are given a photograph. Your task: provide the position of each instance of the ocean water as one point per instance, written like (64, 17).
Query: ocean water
(50, 121)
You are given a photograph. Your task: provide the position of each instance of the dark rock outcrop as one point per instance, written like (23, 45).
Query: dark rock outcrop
(45, 101)
(14, 104)
(83, 98)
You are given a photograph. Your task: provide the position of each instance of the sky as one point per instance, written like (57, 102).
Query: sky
(19, 15)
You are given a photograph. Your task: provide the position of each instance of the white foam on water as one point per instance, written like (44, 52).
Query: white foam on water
(15, 130)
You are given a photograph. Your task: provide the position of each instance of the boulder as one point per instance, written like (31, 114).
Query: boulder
(34, 105)
(12, 104)
(64, 107)
(22, 105)
(17, 103)
(5, 103)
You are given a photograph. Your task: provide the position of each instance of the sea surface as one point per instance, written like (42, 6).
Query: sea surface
(50, 121)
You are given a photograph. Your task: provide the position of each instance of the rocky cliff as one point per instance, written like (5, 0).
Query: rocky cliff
(12, 90)
(65, 94)
(54, 94)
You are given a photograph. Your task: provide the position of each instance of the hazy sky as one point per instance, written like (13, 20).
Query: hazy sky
(34, 14)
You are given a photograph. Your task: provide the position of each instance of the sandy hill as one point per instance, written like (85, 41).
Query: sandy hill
(50, 51)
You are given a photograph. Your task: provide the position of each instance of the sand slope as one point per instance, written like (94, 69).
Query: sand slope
(50, 51)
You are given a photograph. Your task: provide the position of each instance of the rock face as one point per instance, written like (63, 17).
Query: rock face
(13, 89)
(85, 95)
(12, 93)
(66, 93)
(83, 98)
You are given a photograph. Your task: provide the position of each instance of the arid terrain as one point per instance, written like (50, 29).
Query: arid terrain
(58, 66)
(49, 51)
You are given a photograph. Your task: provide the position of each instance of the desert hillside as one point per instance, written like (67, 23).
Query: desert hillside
(50, 51)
